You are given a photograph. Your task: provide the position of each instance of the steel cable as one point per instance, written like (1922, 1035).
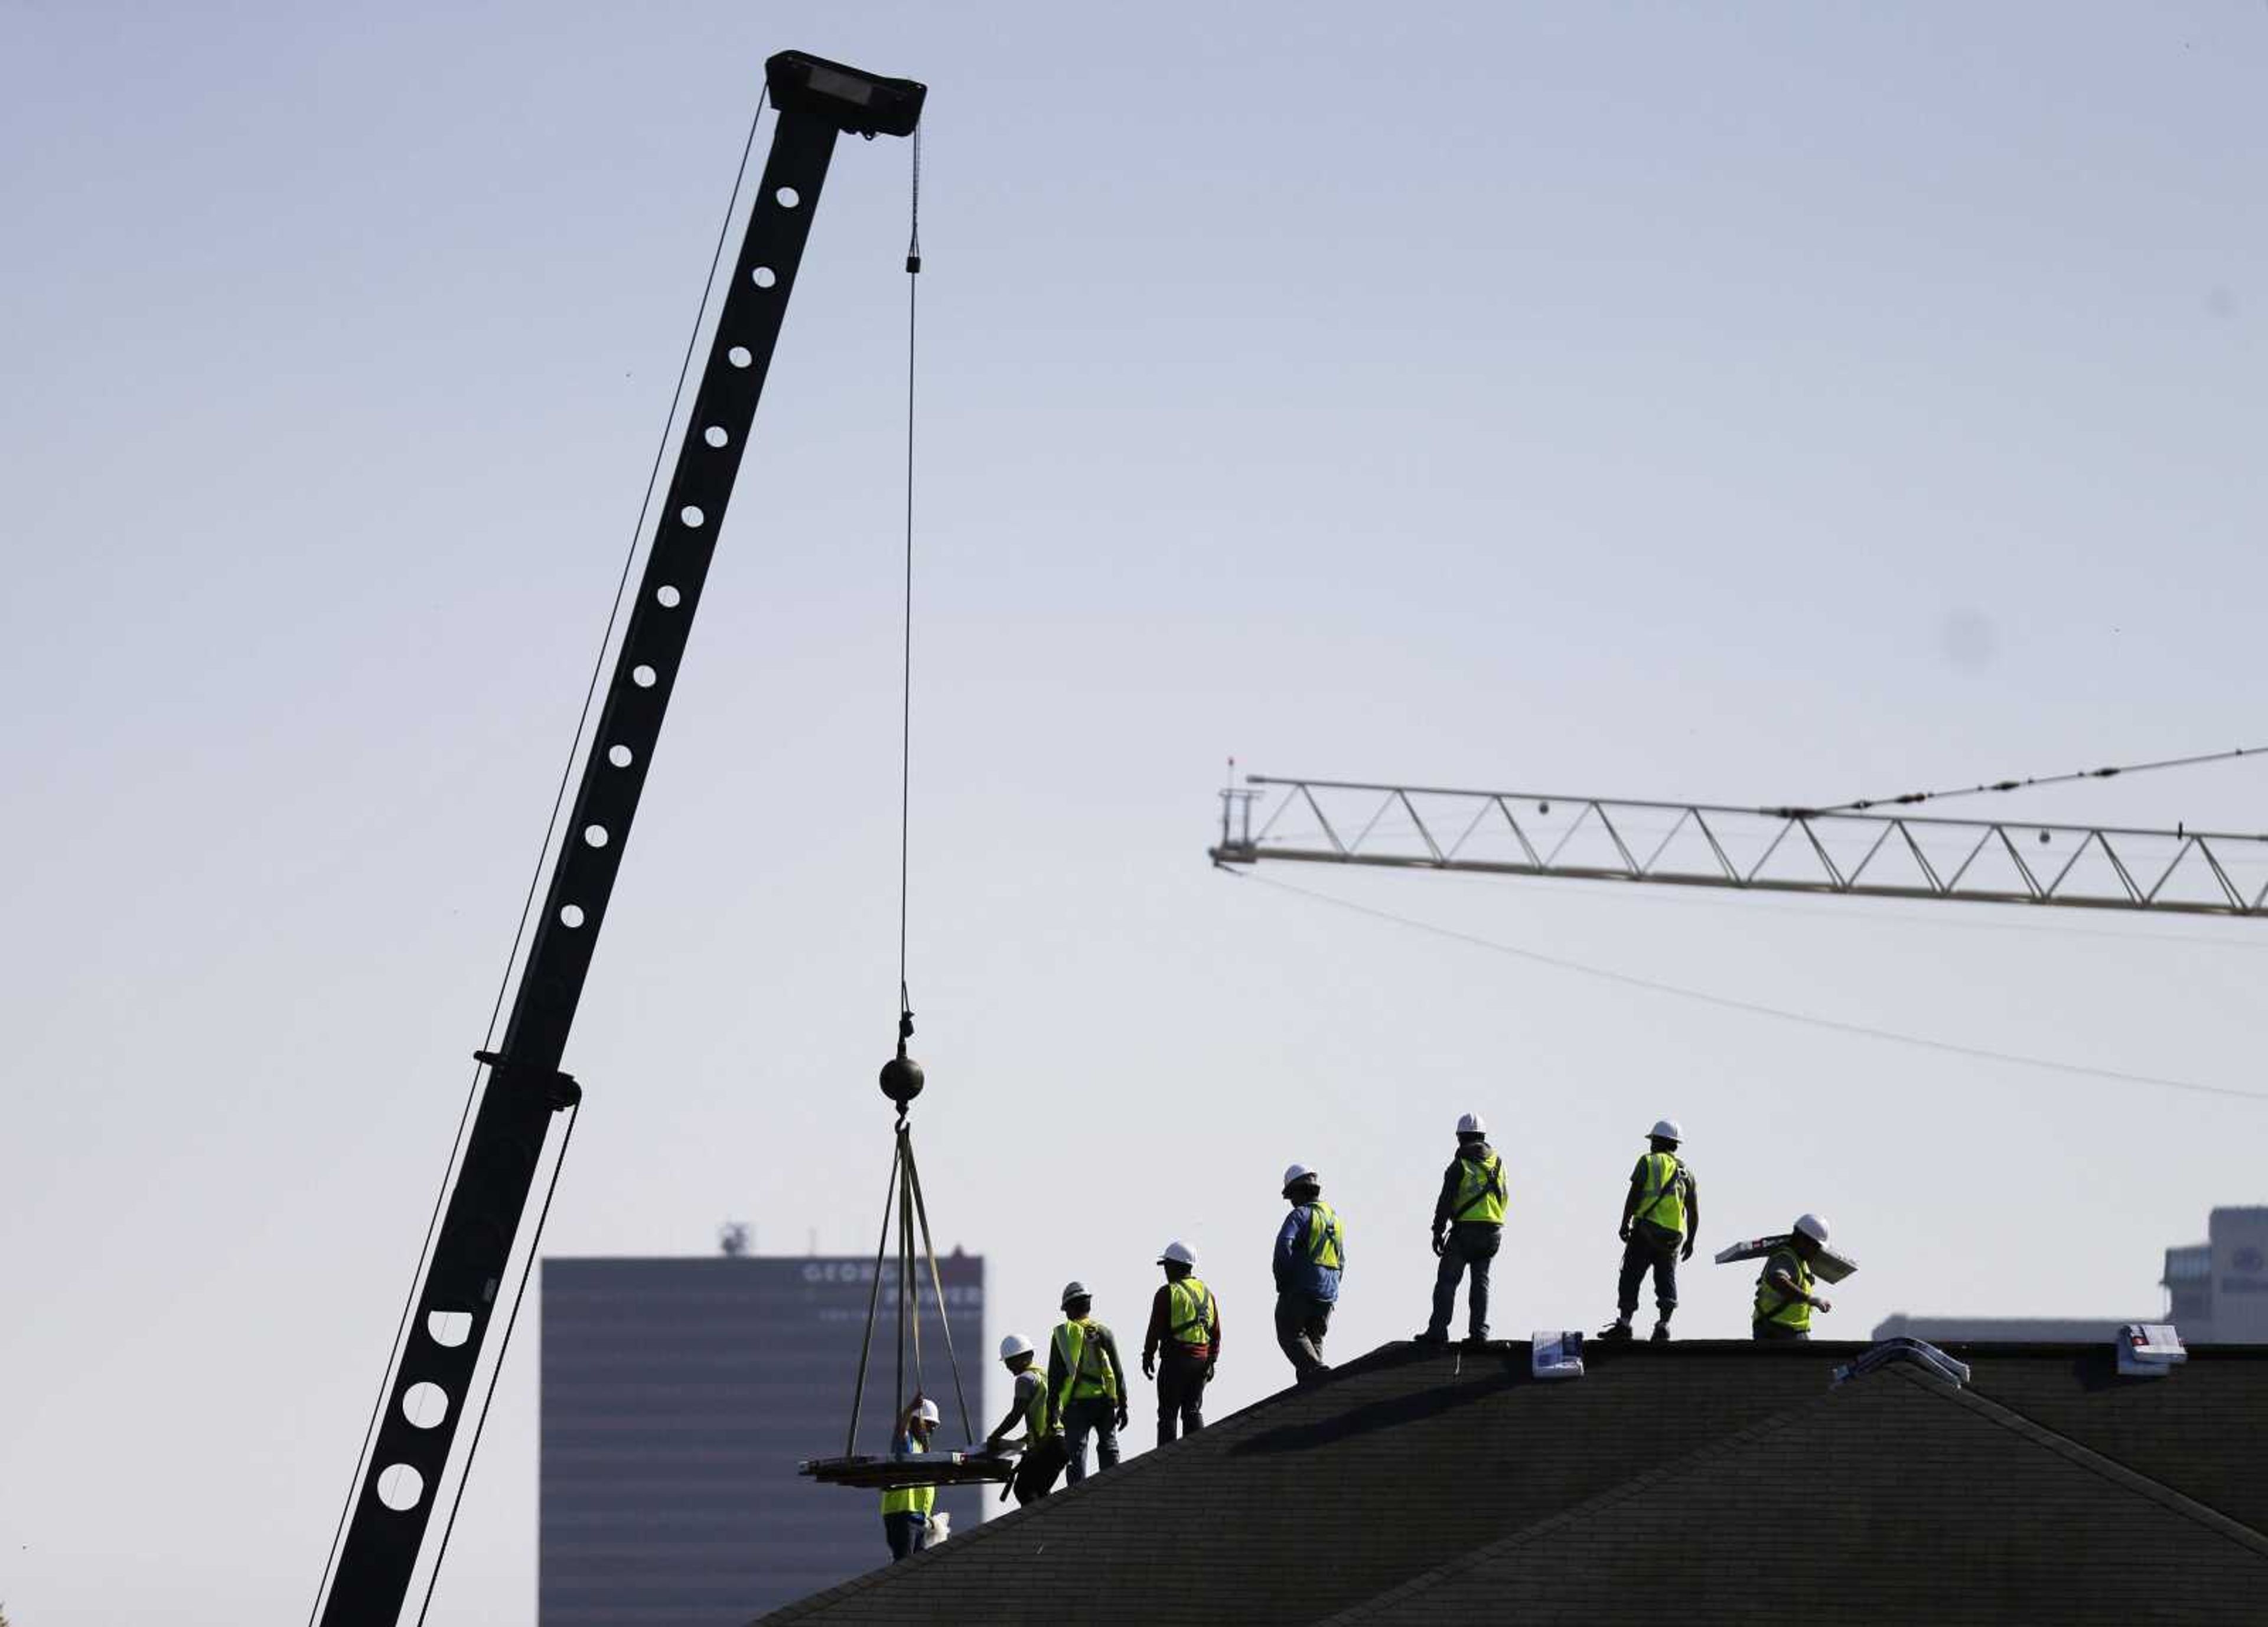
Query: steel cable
(1908, 799)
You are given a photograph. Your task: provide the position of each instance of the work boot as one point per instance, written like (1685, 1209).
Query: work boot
(1475, 1341)
(1620, 1331)
(1660, 1334)
(1431, 1337)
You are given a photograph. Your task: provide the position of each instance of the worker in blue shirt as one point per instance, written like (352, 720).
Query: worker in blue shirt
(1310, 1254)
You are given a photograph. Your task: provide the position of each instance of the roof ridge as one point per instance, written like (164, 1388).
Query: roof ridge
(2123, 1475)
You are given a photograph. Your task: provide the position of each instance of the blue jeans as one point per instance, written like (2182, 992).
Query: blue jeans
(905, 1530)
(1095, 1414)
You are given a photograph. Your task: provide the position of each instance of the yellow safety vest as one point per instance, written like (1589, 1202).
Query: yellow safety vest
(1481, 1192)
(1772, 1303)
(1325, 1237)
(910, 1499)
(1035, 1410)
(1663, 1202)
(1188, 1312)
(1083, 1377)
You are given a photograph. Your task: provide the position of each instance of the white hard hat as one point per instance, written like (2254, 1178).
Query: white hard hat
(1812, 1226)
(1665, 1129)
(1074, 1291)
(1014, 1345)
(929, 1414)
(1177, 1253)
(1298, 1172)
(1471, 1125)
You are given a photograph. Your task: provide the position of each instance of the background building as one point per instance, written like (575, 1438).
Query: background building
(2216, 1293)
(679, 1395)
(2219, 1288)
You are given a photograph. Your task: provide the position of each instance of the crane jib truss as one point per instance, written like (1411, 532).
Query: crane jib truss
(1773, 850)
(817, 101)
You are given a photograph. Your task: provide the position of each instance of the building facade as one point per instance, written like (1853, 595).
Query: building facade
(2216, 1293)
(678, 1397)
(2217, 1290)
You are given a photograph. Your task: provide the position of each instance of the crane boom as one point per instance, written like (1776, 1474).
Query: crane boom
(1765, 849)
(385, 1532)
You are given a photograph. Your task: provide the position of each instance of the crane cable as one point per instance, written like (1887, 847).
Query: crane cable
(909, 1196)
(1909, 798)
(527, 905)
(906, 668)
(904, 1192)
(1754, 1008)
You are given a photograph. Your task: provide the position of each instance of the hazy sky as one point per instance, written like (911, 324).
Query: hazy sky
(1741, 403)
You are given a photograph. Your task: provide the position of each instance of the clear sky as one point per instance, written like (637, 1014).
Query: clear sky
(1738, 403)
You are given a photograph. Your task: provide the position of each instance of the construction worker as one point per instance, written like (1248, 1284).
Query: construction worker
(1043, 1442)
(1182, 1345)
(1661, 1216)
(1310, 1256)
(906, 1509)
(1087, 1385)
(1784, 1298)
(1467, 1230)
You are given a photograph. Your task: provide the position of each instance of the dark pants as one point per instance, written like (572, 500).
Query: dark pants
(905, 1530)
(1472, 1244)
(1778, 1333)
(1649, 1250)
(1301, 1322)
(1036, 1476)
(1181, 1395)
(1090, 1413)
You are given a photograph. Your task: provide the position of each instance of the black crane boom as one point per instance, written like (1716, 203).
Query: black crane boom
(817, 101)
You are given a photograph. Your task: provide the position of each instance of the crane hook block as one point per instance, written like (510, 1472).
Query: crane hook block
(902, 1079)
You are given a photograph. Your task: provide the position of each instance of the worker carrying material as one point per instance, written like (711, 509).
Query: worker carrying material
(1310, 1256)
(906, 1510)
(1182, 1345)
(1784, 1298)
(1087, 1385)
(1661, 1217)
(1467, 1230)
(1043, 1440)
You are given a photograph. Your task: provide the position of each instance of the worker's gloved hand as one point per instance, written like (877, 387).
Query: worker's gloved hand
(1687, 1252)
(1821, 1304)
(1149, 1365)
(1624, 1230)
(1440, 1244)
(1121, 1415)
(1211, 1367)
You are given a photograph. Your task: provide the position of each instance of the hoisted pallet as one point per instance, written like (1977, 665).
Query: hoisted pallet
(901, 1081)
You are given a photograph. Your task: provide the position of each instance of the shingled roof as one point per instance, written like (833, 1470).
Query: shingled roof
(1733, 1479)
